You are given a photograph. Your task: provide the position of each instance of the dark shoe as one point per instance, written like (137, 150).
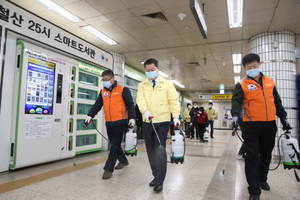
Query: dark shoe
(106, 175)
(202, 141)
(264, 186)
(158, 187)
(212, 137)
(152, 183)
(121, 165)
(192, 138)
(254, 197)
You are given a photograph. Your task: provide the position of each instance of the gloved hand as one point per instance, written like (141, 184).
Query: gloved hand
(176, 121)
(206, 128)
(285, 124)
(147, 114)
(88, 120)
(234, 123)
(131, 122)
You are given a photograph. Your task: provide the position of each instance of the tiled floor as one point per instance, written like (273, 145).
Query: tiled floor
(199, 177)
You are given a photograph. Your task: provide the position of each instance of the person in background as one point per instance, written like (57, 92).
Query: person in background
(212, 114)
(201, 119)
(138, 120)
(187, 119)
(157, 97)
(119, 113)
(258, 97)
(193, 111)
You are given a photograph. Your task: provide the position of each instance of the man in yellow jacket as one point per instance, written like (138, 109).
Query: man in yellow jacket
(212, 114)
(157, 97)
(187, 119)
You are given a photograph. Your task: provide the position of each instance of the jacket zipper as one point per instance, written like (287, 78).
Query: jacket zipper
(263, 91)
(110, 106)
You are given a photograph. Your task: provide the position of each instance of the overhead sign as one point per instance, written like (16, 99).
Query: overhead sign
(21, 21)
(204, 97)
(221, 96)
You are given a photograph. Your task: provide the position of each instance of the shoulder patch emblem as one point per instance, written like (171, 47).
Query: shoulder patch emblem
(105, 94)
(252, 87)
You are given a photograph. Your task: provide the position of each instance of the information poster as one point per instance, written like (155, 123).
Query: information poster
(227, 114)
(39, 87)
(37, 127)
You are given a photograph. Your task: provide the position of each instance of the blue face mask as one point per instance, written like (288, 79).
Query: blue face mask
(106, 84)
(152, 74)
(253, 72)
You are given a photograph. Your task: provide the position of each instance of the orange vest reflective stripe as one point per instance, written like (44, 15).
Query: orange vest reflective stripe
(258, 102)
(113, 104)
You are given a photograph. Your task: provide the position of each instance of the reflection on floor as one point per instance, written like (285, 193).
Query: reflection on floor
(211, 171)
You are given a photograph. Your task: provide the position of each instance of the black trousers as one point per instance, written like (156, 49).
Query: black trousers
(201, 130)
(211, 123)
(115, 131)
(259, 138)
(187, 129)
(193, 127)
(139, 131)
(157, 154)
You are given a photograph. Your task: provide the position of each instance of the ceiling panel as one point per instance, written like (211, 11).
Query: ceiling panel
(177, 42)
(136, 3)
(106, 7)
(82, 10)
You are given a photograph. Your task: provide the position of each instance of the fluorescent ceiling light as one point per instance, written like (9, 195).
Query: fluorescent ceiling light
(59, 10)
(198, 15)
(236, 69)
(178, 84)
(222, 87)
(163, 74)
(236, 79)
(99, 35)
(235, 13)
(236, 58)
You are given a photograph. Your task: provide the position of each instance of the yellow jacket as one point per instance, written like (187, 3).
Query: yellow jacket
(186, 115)
(212, 114)
(160, 101)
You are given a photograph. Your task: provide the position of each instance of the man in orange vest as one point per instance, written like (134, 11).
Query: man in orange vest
(118, 109)
(258, 97)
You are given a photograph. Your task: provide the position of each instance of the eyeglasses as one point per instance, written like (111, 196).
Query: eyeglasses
(106, 79)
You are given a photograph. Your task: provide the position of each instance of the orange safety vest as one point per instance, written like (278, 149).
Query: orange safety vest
(113, 104)
(258, 102)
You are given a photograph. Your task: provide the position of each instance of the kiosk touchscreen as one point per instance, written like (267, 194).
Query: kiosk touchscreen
(39, 87)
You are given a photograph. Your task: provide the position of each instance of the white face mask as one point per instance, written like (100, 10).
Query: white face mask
(253, 72)
(106, 84)
(189, 107)
(195, 106)
(152, 74)
(209, 106)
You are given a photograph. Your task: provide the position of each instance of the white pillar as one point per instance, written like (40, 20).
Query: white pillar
(118, 67)
(277, 53)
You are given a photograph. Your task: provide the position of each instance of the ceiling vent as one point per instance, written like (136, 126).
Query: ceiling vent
(205, 80)
(154, 19)
(193, 64)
